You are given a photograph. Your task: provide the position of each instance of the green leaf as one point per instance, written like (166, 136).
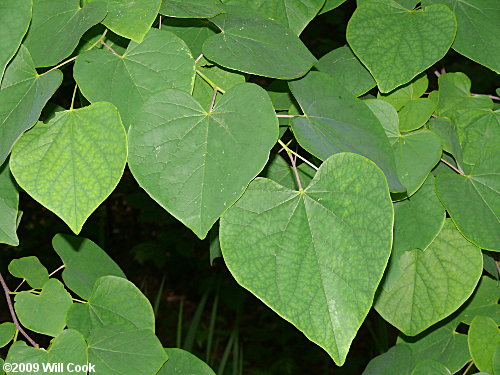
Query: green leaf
(416, 298)
(294, 14)
(126, 352)
(130, 19)
(472, 201)
(454, 95)
(300, 252)
(193, 32)
(114, 301)
(221, 151)
(7, 332)
(9, 202)
(387, 116)
(395, 43)
(415, 114)
(331, 4)
(281, 172)
(23, 95)
(477, 31)
(484, 338)
(447, 132)
(336, 122)
(181, 362)
(161, 61)
(484, 301)
(345, 67)
(406, 93)
(30, 269)
(44, 313)
(68, 347)
(257, 46)
(84, 263)
(191, 9)
(430, 367)
(72, 163)
(397, 360)
(57, 27)
(15, 16)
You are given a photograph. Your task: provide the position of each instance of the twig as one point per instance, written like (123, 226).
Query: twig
(159, 23)
(295, 171)
(287, 116)
(493, 97)
(207, 80)
(109, 47)
(213, 100)
(59, 65)
(198, 59)
(98, 40)
(452, 167)
(13, 313)
(73, 97)
(468, 368)
(300, 157)
(282, 148)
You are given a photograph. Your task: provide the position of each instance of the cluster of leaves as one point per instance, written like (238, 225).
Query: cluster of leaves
(361, 222)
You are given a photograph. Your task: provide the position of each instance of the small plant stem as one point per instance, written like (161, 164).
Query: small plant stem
(159, 23)
(207, 80)
(295, 171)
(287, 116)
(98, 40)
(493, 97)
(59, 65)
(300, 157)
(468, 368)
(109, 47)
(282, 148)
(452, 167)
(73, 97)
(198, 59)
(213, 100)
(13, 313)
(79, 300)
(51, 274)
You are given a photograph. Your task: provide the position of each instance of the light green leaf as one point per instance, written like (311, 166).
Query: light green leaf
(484, 301)
(397, 360)
(7, 331)
(57, 26)
(415, 114)
(404, 94)
(417, 298)
(181, 362)
(416, 154)
(191, 9)
(472, 201)
(130, 19)
(344, 66)
(30, 269)
(114, 301)
(15, 16)
(484, 338)
(161, 61)
(23, 95)
(175, 129)
(299, 251)
(44, 313)
(395, 43)
(84, 263)
(294, 14)
(447, 132)
(72, 163)
(257, 46)
(387, 116)
(9, 211)
(478, 28)
(281, 172)
(430, 367)
(192, 31)
(336, 122)
(331, 4)
(454, 95)
(68, 347)
(117, 351)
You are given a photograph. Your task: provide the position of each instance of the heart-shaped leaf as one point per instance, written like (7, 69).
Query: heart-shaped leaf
(44, 313)
(336, 122)
(130, 19)
(161, 61)
(67, 348)
(72, 163)
(84, 263)
(191, 9)
(174, 129)
(301, 253)
(57, 27)
(395, 43)
(30, 269)
(415, 299)
(114, 301)
(415, 114)
(23, 95)
(484, 338)
(257, 46)
(15, 16)
(9, 202)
